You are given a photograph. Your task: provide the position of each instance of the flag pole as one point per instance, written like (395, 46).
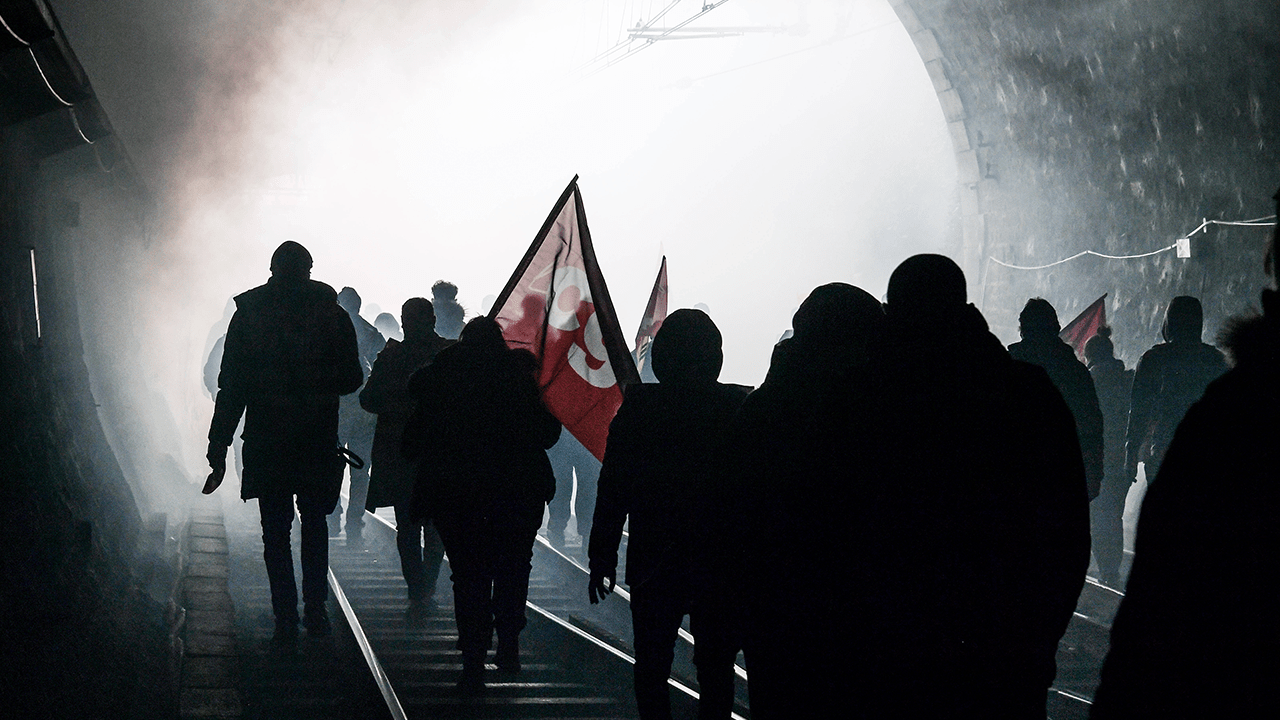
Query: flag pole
(624, 366)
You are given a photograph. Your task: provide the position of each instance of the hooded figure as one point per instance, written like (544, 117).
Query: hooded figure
(1169, 378)
(658, 467)
(1197, 634)
(1038, 324)
(1114, 384)
(290, 353)
(480, 433)
(963, 514)
(391, 479)
(787, 487)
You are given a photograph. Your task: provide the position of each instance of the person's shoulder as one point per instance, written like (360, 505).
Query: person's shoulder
(253, 298)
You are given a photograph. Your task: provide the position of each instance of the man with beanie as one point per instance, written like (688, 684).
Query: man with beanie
(1169, 378)
(657, 466)
(290, 353)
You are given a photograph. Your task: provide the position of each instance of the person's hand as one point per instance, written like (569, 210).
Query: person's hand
(601, 584)
(217, 456)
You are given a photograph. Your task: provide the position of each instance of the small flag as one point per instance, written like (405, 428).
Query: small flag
(556, 306)
(1085, 326)
(654, 314)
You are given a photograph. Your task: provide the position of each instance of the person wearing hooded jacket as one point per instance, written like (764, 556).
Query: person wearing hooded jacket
(290, 353)
(1114, 384)
(1169, 378)
(658, 465)
(782, 557)
(1197, 634)
(1040, 345)
(480, 434)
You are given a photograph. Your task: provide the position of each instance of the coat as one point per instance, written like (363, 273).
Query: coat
(1169, 378)
(1197, 634)
(290, 353)
(656, 470)
(1073, 380)
(386, 394)
(481, 432)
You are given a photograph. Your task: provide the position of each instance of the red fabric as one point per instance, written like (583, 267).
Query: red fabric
(654, 314)
(1085, 326)
(556, 306)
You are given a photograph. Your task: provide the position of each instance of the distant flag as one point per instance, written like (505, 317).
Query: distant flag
(556, 305)
(1085, 326)
(654, 314)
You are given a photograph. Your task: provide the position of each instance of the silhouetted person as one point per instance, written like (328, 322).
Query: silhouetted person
(355, 425)
(657, 465)
(392, 477)
(481, 431)
(567, 456)
(1114, 385)
(1169, 378)
(290, 353)
(387, 325)
(212, 365)
(449, 314)
(787, 545)
(1197, 634)
(1040, 345)
(966, 514)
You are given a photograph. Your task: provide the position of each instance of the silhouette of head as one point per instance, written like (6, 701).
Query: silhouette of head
(835, 316)
(417, 317)
(291, 260)
(386, 324)
(482, 331)
(444, 290)
(687, 348)
(349, 299)
(1184, 321)
(924, 288)
(1038, 319)
(1099, 347)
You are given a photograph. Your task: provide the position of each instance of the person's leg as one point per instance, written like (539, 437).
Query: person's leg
(512, 562)
(409, 545)
(1106, 514)
(655, 619)
(432, 557)
(277, 521)
(315, 566)
(588, 471)
(715, 650)
(362, 445)
(462, 539)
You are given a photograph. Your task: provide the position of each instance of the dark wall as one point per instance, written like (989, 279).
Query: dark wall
(79, 635)
(1114, 126)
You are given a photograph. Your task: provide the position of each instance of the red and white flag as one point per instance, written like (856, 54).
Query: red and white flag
(556, 306)
(1085, 326)
(654, 314)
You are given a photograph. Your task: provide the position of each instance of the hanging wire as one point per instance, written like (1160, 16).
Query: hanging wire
(1267, 221)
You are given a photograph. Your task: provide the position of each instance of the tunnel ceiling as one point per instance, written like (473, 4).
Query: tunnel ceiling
(1107, 125)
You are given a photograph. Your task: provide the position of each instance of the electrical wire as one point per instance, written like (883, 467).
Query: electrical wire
(1204, 224)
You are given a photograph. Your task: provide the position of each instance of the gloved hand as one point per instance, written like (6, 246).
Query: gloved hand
(600, 585)
(217, 457)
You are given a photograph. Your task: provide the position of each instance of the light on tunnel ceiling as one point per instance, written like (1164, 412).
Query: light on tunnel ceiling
(1183, 247)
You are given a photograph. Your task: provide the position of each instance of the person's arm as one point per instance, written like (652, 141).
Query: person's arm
(613, 503)
(1144, 389)
(379, 391)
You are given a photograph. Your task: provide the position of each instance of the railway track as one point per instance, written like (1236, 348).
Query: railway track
(576, 657)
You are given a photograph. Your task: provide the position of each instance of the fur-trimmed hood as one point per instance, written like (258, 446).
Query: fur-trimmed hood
(1254, 340)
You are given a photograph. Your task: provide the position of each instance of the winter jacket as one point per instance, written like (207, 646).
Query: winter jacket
(290, 353)
(1169, 378)
(386, 394)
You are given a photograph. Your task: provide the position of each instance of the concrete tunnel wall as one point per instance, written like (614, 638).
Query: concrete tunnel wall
(1114, 126)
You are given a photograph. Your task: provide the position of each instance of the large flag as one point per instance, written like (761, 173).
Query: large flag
(556, 305)
(654, 314)
(1085, 326)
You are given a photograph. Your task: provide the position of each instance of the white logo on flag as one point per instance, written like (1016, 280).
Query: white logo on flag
(571, 290)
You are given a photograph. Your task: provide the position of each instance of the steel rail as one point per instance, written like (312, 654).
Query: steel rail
(379, 675)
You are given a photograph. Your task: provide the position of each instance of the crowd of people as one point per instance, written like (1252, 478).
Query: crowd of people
(897, 522)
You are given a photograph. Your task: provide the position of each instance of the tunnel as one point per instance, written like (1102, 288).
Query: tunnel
(1070, 150)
